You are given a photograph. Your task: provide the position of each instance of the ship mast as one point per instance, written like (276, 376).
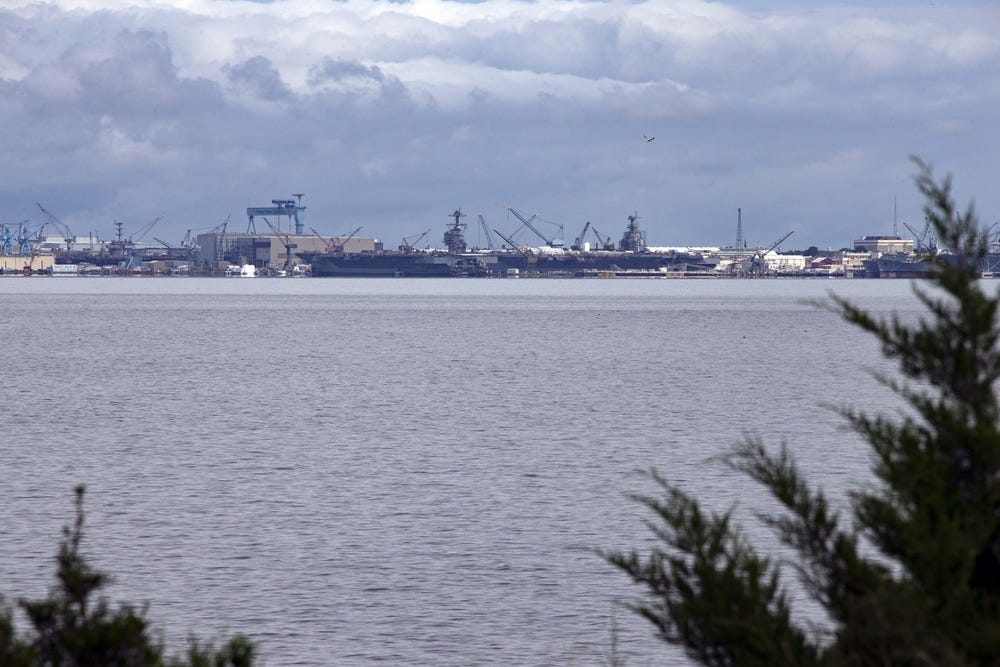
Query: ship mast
(454, 236)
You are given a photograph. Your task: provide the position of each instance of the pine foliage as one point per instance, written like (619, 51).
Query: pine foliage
(914, 579)
(73, 627)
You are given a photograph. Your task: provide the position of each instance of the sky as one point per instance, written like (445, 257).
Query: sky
(391, 115)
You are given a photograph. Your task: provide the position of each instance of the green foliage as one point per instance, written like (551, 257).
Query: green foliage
(931, 594)
(70, 628)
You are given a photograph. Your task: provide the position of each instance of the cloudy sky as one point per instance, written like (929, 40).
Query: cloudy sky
(389, 115)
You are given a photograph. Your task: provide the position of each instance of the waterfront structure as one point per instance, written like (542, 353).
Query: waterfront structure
(268, 252)
(884, 245)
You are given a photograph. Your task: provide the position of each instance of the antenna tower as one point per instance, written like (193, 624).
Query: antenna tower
(739, 228)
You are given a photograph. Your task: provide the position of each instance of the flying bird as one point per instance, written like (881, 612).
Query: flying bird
(648, 139)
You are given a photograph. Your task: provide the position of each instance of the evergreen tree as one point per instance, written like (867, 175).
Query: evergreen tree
(70, 628)
(915, 578)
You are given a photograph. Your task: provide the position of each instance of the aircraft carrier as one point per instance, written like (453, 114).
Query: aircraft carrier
(630, 258)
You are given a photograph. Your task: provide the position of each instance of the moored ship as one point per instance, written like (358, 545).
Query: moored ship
(458, 261)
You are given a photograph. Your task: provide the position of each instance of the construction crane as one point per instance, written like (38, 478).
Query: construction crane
(137, 236)
(553, 242)
(603, 243)
(530, 259)
(408, 245)
(338, 245)
(578, 243)
(334, 244)
(922, 243)
(326, 243)
(60, 225)
(289, 247)
(755, 265)
(185, 252)
(486, 232)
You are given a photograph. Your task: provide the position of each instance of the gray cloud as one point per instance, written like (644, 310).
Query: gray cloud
(391, 115)
(260, 78)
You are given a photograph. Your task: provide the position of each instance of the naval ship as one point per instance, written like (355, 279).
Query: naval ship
(631, 258)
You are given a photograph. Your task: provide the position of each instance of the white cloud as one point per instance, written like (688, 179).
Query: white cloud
(229, 100)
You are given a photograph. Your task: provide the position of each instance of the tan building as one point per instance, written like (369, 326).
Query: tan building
(268, 251)
(883, 245)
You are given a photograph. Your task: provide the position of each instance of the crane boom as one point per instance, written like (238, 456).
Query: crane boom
(605, 244)
(407, 245)
(339, 247)
(527, 223)
(60, 225)
(486, 232)
(578, 244)
(779, 242)
(145, 229)
(289, 246)
(512, 243)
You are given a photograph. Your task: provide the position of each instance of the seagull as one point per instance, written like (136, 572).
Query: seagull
(648, 139)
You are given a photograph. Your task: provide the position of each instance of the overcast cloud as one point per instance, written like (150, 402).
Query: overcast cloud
(390, 115)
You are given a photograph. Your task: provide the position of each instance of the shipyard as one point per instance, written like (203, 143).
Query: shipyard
(284, 248)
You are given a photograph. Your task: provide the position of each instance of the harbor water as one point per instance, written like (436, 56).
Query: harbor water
(403, 471)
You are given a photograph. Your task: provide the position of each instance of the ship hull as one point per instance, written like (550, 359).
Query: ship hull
(384, 265)
(443, 265)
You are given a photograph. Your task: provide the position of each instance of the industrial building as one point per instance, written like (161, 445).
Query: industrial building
(270, 252)
(884, 245)
(274, 249)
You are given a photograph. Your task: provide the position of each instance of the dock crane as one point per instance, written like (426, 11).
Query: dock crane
(754, 265)
(6, 241)
(334, 244)
(552, 243)
(327, 243)
(923, 245)
(578, 243)
(60, 225)
(145, 229)
(486, 232)
(289, 247)
(26, 240)
(603, 243)
(530, 260)
(185, 252)
(338, 245)
(409, 246)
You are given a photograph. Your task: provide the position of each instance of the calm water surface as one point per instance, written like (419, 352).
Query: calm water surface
(404, 471)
